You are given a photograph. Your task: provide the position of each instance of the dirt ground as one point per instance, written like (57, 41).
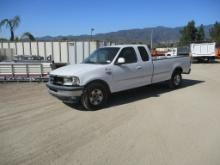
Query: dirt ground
(150, 125)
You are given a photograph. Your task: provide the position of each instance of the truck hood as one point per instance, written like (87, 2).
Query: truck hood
(76, 70)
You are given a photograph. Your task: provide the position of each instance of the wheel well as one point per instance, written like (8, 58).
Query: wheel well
(178, 69)
(101, 82)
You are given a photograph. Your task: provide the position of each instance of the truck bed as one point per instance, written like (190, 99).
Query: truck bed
(163, 66)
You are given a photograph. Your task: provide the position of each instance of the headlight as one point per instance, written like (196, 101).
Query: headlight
(71, 81)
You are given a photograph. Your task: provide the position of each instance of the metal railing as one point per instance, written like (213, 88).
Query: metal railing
(24, 71)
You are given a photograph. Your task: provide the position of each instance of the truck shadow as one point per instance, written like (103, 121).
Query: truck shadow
(154, 90)
(206, 62)
(141, 93)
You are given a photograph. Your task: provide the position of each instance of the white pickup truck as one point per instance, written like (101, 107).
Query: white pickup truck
(112, 69)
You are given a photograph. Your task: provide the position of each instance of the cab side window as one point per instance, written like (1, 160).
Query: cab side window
(143, 53)
(129, 55)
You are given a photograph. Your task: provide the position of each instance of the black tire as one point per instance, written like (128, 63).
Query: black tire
(176, 80)
(95, 96)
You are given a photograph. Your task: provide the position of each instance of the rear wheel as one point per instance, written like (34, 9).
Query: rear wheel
(95, 96)
(176, 80)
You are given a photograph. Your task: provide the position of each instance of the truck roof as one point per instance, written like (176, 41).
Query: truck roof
(127, 45)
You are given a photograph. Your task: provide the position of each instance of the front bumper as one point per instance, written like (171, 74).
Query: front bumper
(64, 93)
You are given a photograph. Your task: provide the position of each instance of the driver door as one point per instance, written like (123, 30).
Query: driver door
(129, 74)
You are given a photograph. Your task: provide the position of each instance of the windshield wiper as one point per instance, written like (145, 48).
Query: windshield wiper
(92, 62)
(104, 63)
(89, 62)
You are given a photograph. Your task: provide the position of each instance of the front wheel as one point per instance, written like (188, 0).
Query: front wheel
(94, 96)
(176, 80)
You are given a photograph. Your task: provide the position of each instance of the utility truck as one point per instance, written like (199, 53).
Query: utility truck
(112, 69)
(203, 51)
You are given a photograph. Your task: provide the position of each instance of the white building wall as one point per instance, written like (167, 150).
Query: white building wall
(64, 52)
(41, 49)
(19, 48)
(26, 48)
(61, 52)
(48, 48)
(34, 48)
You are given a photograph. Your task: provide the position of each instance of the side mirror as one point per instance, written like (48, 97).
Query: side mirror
(120, 61)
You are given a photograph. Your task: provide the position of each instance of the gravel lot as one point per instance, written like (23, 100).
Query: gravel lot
(151, 125)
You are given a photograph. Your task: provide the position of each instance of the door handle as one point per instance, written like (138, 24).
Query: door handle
(108, 70)
(139, 67)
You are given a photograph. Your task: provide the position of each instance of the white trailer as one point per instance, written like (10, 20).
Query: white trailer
(167, 51)
(171, 52)
(203, 51)
(64, 52)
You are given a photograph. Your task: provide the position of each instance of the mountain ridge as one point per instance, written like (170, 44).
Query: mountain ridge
(161, 34)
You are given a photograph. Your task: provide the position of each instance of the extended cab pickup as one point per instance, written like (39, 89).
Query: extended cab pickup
(112, 69)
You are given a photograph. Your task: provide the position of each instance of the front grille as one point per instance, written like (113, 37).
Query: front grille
(56, 80)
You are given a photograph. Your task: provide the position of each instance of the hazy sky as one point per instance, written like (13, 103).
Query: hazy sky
(74, 17)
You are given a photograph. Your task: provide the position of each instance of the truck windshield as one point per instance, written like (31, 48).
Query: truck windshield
(102, 56)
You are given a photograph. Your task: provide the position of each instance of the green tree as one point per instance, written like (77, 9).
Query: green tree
(215, 33)
(188, 33)
(200, 35)
(28, 36)
(17, 38)
(11, 24)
